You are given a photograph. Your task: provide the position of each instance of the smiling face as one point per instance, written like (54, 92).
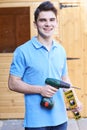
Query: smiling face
(46, 24)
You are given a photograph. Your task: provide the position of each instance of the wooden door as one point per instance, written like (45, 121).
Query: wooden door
(70, 27)
(14, 28)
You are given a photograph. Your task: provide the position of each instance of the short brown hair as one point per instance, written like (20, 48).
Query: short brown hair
(45, 6)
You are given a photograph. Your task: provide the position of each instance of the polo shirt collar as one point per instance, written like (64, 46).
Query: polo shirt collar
(38, 45)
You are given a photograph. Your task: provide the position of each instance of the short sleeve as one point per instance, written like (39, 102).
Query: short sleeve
(17, 67)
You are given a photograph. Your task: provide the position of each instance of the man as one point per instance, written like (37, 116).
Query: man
(33, 62)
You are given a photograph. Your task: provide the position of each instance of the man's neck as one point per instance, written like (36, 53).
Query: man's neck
(47, 42)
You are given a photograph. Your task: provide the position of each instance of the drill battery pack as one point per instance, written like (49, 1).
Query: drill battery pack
(72, 104)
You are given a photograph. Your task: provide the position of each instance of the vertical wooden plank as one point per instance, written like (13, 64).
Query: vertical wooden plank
(71, 37)
(22, 29)
(84, 42)
(32, 27)
(7, 33)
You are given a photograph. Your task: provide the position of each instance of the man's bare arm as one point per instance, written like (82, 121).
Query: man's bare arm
(17, 85)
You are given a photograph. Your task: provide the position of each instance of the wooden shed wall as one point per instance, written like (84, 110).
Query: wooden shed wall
(72, 31)
(73, 34)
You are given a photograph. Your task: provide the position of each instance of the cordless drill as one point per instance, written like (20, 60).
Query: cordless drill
(48, 102)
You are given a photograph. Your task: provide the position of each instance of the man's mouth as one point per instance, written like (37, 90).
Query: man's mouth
(48, 29)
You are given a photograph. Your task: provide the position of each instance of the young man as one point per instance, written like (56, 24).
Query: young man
(33, 62)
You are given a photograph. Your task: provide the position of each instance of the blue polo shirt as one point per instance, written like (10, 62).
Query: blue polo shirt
(33, 63)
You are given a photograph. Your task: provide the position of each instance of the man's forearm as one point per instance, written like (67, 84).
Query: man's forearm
(17, 85)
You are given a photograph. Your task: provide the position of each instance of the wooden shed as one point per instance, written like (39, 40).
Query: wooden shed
(16, 27)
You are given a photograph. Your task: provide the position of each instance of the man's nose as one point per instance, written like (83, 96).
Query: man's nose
(48, 23)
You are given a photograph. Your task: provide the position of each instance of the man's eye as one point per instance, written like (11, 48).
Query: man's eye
(42, 20)
(53, 19)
